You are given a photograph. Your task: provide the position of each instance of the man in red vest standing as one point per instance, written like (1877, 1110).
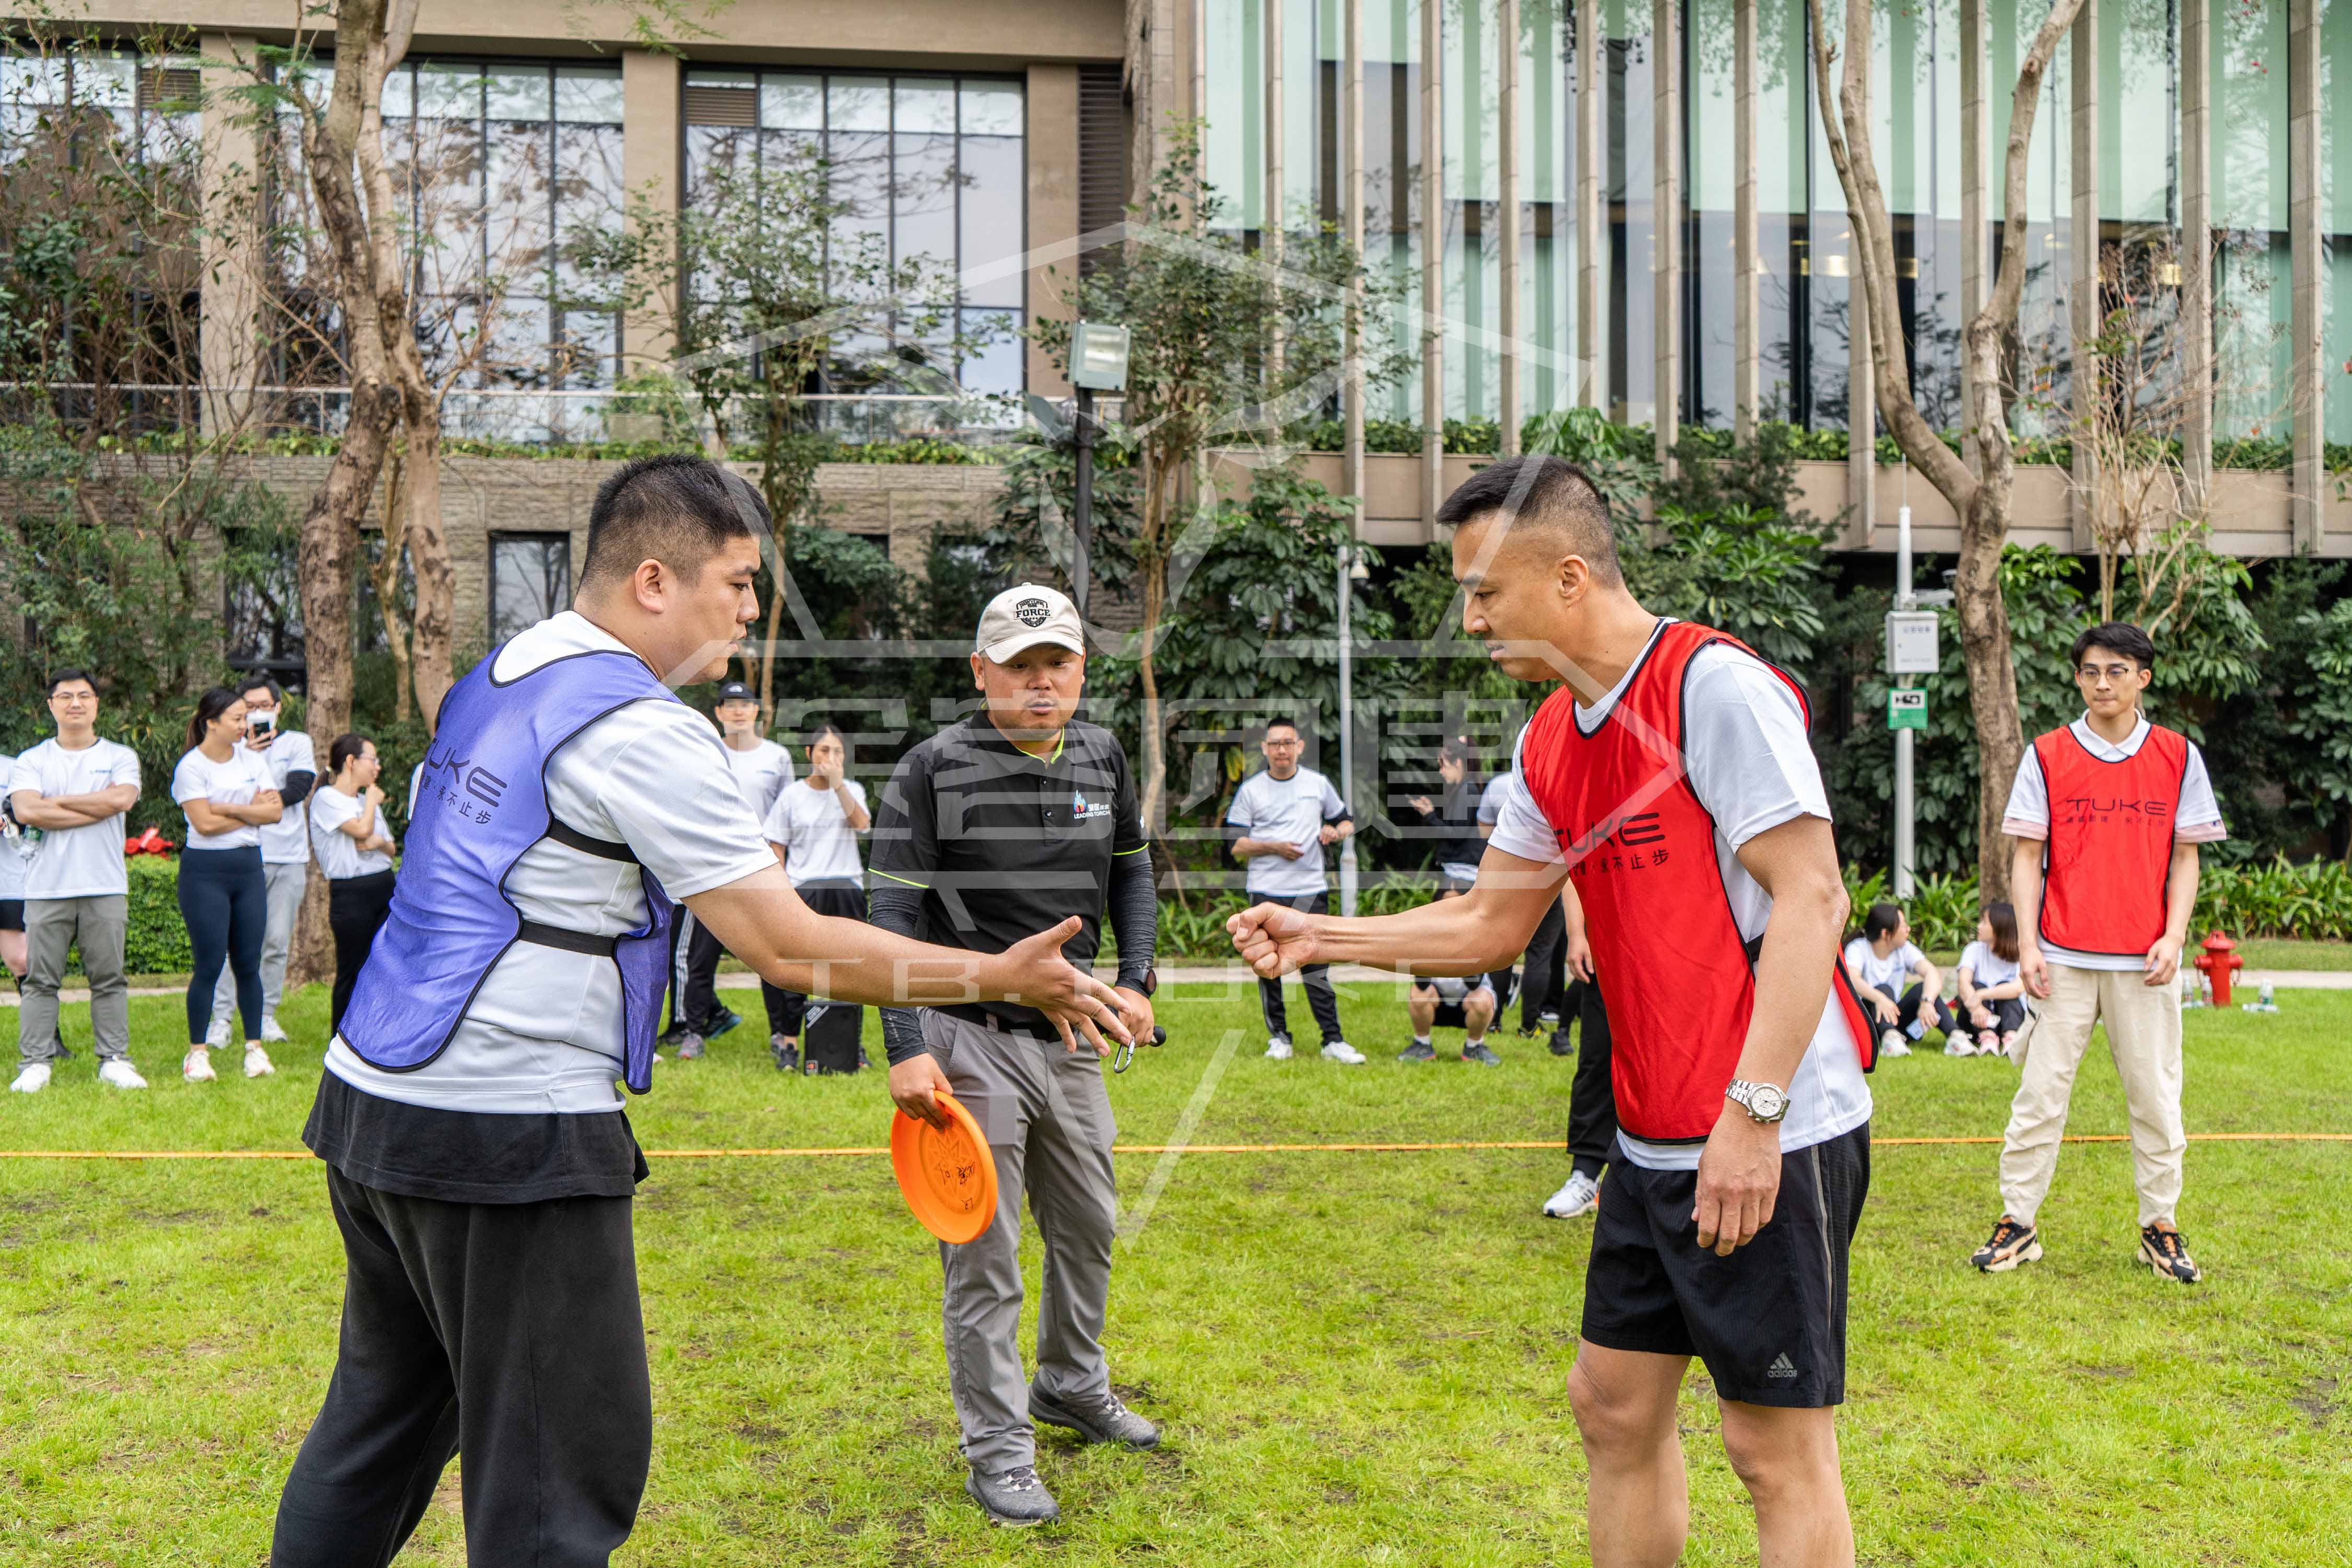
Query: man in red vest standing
(1670, 777)
(2106, 817)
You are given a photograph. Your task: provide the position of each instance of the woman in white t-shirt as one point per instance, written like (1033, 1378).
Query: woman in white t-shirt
(1990, 1008)
(813, 829)
(227, 793)
(352, 844)
(1893, 978)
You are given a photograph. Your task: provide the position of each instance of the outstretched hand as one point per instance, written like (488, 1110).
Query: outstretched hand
(1074, 1002)
(1273, 939)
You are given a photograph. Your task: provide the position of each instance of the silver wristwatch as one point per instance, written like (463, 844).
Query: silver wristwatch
(1762, 1102)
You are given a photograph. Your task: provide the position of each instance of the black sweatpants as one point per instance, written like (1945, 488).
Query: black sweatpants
(1591, 1100)
(224, 903)
(1543, 973)
(356, 909)
(844, 900)
(510, 1331)
(694, 956)
(1321, 1000)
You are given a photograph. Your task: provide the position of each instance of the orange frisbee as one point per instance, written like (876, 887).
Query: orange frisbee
(947, 1178)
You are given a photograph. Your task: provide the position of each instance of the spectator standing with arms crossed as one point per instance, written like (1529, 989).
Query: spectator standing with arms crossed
(293, 768)
(814, 828)
(75, 790)
(1671, 777)
(1280, 821)
(228, 793)
(2107, 813)
(1017, 817)
(354, 847)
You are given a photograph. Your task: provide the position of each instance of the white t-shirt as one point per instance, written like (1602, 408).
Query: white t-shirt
(286, 841)
(1985, 967)
(2198, 821)
(544, 1032)
(761, 773)
(1499, 789)
(815, 831)
(339, 855)
(1890, 975)
(1292, 811)
(77, 862)
(12, 854)
(232, 782)
(1752, 768)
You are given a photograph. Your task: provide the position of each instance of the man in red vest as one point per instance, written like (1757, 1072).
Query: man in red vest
(2106, 817)
(1671, 778)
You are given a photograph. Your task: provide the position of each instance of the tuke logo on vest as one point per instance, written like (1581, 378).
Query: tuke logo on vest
(454, 781)
(1641, 840)
(2081, 810)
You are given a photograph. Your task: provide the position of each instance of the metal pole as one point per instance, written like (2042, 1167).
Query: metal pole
(1347, 726)
(1081, 578)
(1906, 802)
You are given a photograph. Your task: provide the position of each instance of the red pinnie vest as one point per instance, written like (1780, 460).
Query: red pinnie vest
(2110, 846)
(1677, 978)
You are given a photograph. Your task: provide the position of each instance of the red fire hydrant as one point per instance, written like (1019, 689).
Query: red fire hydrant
(2220, 957)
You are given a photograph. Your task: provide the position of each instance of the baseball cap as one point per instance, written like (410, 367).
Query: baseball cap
(736, 691)
(1025, 615)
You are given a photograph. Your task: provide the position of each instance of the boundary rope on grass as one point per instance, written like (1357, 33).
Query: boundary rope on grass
(856, 1152)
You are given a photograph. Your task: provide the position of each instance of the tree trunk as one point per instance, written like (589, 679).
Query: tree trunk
(394, 543)
(433, 630)
(1154, 562)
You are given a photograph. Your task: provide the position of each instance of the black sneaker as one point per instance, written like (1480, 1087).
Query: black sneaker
(1481, 1056)
(863, 1059)
(726, 1019)
(2010, 1244)
(1419, 1051)
(1016, 1498)
(786, 1052)
(2166, 1252)
(1561, 1046)
(672, 1038)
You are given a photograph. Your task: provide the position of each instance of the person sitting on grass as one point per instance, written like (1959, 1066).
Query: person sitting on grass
(1990, 1009)
(1881, 960)
(1447, 1002)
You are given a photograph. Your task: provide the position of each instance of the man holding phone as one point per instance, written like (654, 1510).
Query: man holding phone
(293, 764)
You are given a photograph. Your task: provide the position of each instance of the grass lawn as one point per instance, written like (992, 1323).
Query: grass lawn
(1357, 1358)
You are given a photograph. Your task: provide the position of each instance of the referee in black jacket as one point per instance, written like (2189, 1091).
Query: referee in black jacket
(1015, 817)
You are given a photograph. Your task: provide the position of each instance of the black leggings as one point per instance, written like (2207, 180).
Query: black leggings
(2008, 1016)
(843, 899)
(356, 908)
(226, 902)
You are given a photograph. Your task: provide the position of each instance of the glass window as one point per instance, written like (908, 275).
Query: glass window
(530, 579)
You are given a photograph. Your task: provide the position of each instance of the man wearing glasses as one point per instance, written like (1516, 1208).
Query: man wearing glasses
(2105, 816)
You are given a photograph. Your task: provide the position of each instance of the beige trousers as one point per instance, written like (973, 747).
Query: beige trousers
(2144, 1037)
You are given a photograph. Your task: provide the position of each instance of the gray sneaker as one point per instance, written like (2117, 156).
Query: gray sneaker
(1479, 1053)
(1016, 1498)
(689, 1047)
(1419, 1051)
(1102, 1421)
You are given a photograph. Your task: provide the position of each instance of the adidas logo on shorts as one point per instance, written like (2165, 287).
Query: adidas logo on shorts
(1781, 1366)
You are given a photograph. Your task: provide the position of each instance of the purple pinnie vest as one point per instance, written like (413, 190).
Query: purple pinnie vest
(482, 801)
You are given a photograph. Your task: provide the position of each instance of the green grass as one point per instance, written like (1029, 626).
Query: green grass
(1357, 1358)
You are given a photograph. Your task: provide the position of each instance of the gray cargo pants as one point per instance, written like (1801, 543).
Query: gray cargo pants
(53, 926)
(1049, 1126)
(285, 906)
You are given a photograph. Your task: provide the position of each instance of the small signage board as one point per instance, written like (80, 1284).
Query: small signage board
(1907, 709)
(1911, 643)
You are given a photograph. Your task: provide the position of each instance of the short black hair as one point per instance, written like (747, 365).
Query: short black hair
(1541, 492)
(60, 676)
(1282, 721)
(259, 682)
(1882, 921)
(2116, 636)
(675, 508)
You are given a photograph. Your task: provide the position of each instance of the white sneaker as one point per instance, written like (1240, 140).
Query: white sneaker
(217, 1036)
(32, 1080)
(1341, 1051)
(1278, 1049)
(1580, 1194)
(196, 1067)
(1894, 1045)
(270, 1031)
(122, 1074)
(1960, 1045)
(257, 1061)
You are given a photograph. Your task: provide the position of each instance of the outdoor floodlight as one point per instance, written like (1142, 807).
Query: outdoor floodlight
(1098, 356)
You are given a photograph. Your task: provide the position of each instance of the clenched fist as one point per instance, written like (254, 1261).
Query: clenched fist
(1273, 939)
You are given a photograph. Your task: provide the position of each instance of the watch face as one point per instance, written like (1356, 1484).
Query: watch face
(1767, 1103)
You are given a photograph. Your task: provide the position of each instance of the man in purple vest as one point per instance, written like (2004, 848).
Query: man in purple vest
(478, 1161)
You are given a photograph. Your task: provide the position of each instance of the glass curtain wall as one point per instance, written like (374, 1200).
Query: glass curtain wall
(2252, 270)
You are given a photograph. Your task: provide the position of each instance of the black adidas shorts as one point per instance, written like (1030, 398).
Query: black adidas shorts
(1770, 1319)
